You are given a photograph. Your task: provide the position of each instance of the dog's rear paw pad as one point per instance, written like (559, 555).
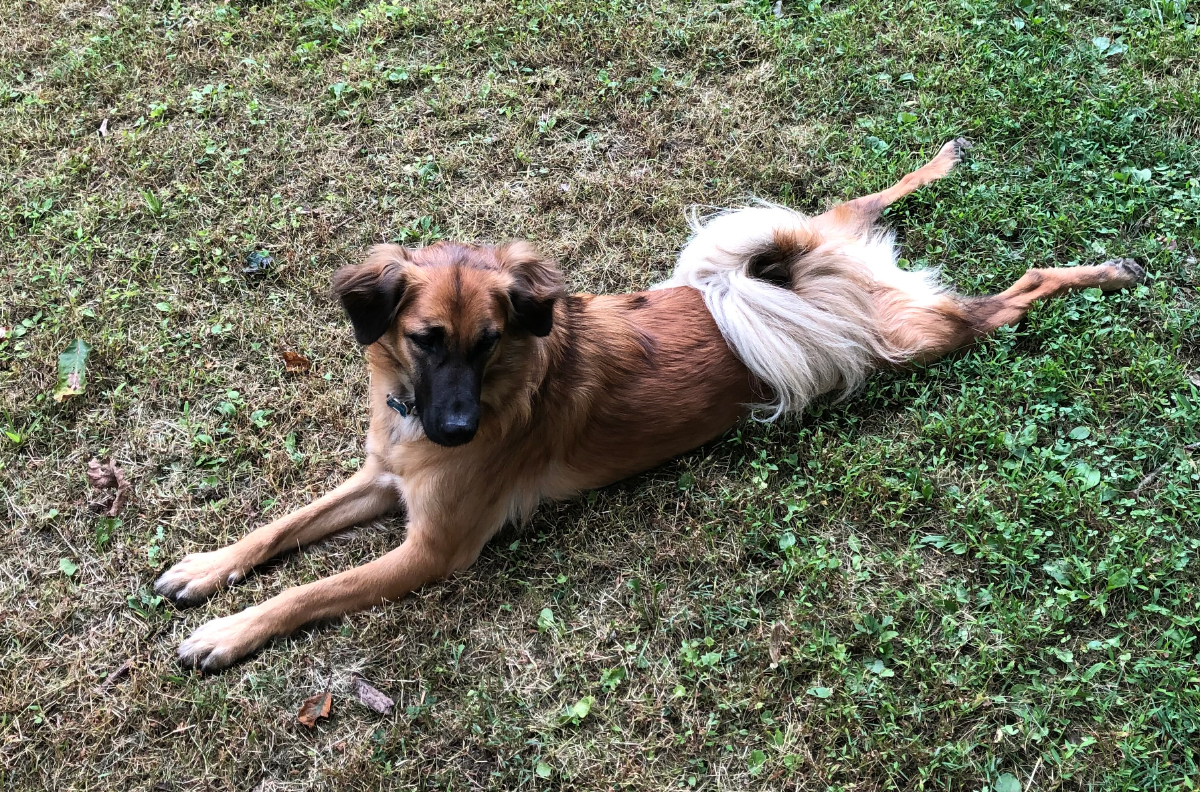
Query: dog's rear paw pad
(1125, 273)
(1128, 268)
(956, 149)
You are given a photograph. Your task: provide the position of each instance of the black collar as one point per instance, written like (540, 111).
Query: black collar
(405, 408)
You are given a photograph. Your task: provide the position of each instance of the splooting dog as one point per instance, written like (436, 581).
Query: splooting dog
(492, 390)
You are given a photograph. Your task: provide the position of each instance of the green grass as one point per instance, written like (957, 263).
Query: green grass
(973, 589)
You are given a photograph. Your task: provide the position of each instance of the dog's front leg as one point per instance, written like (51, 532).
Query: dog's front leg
(417, 561)
(369, 493)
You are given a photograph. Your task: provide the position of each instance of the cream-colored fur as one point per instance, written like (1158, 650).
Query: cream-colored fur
(825, 332)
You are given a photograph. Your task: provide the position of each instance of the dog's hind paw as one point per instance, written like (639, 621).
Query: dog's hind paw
(1127, 272)
(197, 577)
(222, 642)
(955, 149)
(947, 157)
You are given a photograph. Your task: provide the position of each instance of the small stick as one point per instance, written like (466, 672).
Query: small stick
(1152, 475)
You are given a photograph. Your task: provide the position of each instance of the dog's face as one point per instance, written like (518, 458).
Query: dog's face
(442, 313)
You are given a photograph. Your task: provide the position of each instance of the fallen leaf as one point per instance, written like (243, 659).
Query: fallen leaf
(101, 475)
(116, 676)
(778, 634)
(371, 698)
(315, 707)
(104, 128)
(295, 362)
(106, 476)
(72, 376)
(124, 493)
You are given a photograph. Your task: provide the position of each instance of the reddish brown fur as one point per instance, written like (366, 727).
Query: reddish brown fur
(620, 384)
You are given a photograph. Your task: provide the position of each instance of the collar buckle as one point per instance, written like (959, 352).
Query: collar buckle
(405, 408)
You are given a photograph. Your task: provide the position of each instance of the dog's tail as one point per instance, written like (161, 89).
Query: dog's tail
(799, 301)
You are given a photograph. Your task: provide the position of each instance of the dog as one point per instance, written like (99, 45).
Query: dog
(492, 389)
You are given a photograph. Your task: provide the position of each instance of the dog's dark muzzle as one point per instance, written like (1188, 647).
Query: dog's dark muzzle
(450, 415)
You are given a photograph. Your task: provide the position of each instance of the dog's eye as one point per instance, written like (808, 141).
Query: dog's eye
(486, 343)
(427, 339)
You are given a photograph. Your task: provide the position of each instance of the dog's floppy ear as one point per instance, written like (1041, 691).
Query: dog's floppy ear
(370, 292)
(537, 284)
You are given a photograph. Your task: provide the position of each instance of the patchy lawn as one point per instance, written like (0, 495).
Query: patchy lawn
(979, 576)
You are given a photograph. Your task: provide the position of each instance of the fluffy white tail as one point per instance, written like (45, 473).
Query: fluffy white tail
(798, 301)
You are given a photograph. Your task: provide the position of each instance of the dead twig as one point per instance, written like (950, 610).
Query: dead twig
(1153, 474)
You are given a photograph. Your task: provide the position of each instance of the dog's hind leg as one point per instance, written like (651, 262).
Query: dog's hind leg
(916, 317)
(929, 331)
(860, 214)
(367, 494)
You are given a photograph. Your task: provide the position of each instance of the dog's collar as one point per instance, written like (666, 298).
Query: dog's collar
(406, 407)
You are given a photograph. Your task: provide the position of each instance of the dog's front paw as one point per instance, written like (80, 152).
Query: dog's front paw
(198, 576)
(222, 642)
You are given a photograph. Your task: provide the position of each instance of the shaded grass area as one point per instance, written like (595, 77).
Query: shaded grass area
(984, 573)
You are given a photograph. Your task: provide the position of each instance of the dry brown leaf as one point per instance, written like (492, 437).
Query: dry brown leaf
(315, 707)
(371, 698)
(778, 635)
(107, 475)
(295, 363)
(101, 476)
(124, 492)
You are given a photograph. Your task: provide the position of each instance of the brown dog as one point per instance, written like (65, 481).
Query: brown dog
(492, 390)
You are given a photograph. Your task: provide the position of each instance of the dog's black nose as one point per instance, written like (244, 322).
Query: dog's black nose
(458, 428)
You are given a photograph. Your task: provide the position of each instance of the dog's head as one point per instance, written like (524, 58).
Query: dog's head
(444, 314)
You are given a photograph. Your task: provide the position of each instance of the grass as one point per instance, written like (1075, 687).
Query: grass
(979, 576)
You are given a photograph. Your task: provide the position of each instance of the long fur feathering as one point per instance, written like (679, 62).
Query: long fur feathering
(822, 334)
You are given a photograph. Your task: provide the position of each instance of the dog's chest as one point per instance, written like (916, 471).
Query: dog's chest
(390, 432)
